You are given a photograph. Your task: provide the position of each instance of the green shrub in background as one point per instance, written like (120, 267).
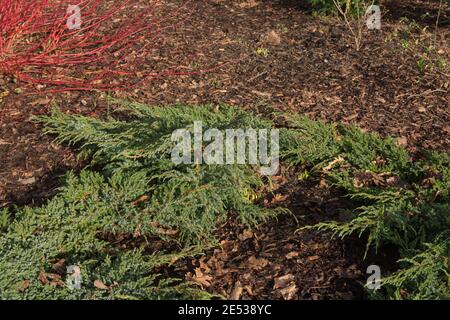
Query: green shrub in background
(325, 7)
(351, 7)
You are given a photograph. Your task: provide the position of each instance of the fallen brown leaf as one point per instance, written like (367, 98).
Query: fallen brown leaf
(278, 198)
(291, 255)
(53, 276)
(257, 263)
(237, 291)
(313, 258)
(248, 4)
(24, 285)
(140, 199)
(272, 38)
(40, 101)
(283, 281)
(100, 285)
(201, 279)
(58, 267)
(249, 289)
(289, 292)
(351, 117)
(43, 278)
(27, 181)
(402, 141)
(247, 234)
(204, 265)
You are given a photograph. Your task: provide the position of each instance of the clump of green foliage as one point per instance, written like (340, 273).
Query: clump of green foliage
(69, 227)
(186, 200)
(400, 202)
(425, 275)
(133, 188)
(350, 7)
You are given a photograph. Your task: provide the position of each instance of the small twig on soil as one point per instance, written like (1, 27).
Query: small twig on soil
(421, 94)
(257, 76)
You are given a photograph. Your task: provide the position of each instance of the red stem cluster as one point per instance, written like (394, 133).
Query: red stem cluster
(37, 47)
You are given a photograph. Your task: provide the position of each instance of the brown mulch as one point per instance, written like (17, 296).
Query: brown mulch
(279, 261)
(266, 54)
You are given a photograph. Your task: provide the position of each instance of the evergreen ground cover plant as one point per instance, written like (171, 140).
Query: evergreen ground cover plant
(132, 187)
(399, 201)
(136, 190)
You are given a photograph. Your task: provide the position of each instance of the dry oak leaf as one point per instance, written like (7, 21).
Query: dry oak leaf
(283, 281)
(204, 265)
(278, 198)
(257, 263)
(201, 279)
(55, 279)
(53, 276)
(246, 234)
(272, 38)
